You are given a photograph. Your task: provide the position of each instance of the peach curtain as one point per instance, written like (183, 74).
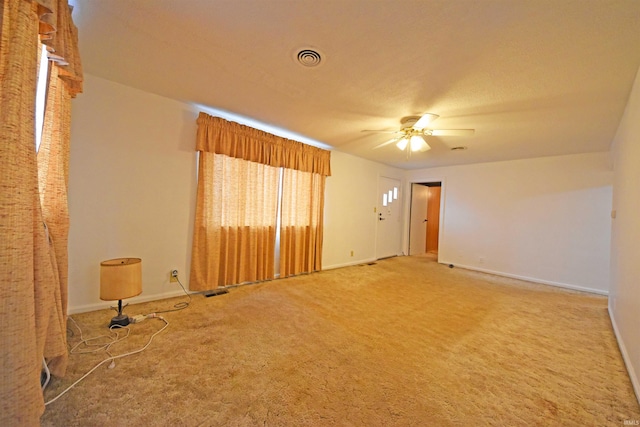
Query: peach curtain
(235, 225)
(301, 222)
(32, 297)
(53, 177)
(219, 136)
(236, 207)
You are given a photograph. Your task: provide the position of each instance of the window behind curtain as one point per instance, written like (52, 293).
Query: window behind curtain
(237, 205)
(301, 222)
(41, 93)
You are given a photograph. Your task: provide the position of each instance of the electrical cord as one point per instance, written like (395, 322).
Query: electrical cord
(111, 358)
(97, 347)
(47, 374)
(181, 305)
(89, 347)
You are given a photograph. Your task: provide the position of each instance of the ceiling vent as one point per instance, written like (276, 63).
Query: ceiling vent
(309, 58)
(458, 148)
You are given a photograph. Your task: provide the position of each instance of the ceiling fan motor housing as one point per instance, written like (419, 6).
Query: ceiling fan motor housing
(409, 121)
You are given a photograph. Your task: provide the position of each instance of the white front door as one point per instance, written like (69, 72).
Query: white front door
(389, 218)
(418, 230)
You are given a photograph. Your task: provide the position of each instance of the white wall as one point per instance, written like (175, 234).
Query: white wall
(544, 219)
(624, 297)
(131, 190)
(350, 198)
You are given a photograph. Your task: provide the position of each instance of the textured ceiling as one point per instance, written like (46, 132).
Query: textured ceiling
(532, 77)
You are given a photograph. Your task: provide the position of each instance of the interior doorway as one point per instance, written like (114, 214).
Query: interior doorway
(424, 225)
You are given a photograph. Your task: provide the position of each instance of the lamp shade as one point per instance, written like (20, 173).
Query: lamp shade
(120, 278)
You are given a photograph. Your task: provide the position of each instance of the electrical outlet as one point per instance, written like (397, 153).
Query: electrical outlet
(173, 276)
(351, 253)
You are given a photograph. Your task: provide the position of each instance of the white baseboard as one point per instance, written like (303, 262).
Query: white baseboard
(530, 279)
(484, 270)
(635, 382)
(136, 300)
(146, 298)
(349, 264)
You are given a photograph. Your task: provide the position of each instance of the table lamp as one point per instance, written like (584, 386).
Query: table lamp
(120, 278)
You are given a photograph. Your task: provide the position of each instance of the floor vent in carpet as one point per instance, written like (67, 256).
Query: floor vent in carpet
(215, 292)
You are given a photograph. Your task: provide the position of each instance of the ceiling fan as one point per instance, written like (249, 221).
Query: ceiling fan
(412, 133)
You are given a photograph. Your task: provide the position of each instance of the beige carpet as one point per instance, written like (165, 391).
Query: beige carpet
(404, 342)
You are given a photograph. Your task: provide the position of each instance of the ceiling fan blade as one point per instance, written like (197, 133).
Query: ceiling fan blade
(425, 120)
(380, 130)
(452, 132)
(391, 141)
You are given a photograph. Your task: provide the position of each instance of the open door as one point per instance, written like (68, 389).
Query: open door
(433, 219)
(418, 225)
(424, 226)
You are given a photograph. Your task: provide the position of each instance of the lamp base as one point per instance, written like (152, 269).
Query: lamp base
(119, 320)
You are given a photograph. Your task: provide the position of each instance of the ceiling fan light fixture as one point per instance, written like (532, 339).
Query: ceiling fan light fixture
(416, 143)
(402, 144)
(413, 134)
